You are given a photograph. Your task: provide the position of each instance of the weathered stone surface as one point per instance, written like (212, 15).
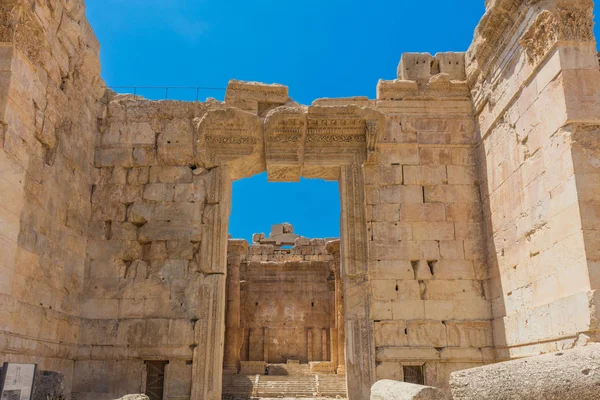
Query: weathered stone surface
(469, 207)
(570, 374)
(393, 390)
(134, 397)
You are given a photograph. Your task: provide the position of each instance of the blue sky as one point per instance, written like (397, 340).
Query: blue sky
(319, 48)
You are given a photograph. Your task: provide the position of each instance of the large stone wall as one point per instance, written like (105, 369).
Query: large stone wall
(469, 193)
(151, 283)
(535, 90)
(50, 93)
(430, 302)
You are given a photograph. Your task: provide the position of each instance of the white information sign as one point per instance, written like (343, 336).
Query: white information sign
(17, 381)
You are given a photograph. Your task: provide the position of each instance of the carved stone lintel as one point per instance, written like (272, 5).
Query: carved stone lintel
(550, 27)
(285, 131)
(230, 137)
(372, 136)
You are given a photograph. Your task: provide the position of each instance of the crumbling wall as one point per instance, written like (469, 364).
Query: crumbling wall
(535, 86)
(150, 290)
(49, 103)
(430, 299)
(283, 300)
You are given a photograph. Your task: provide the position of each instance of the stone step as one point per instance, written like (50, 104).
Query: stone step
(283, 386)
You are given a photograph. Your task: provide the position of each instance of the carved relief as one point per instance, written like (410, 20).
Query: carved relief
(335, 136)
(19, 27)
(230, 137)
(550, 27)
(285, 130)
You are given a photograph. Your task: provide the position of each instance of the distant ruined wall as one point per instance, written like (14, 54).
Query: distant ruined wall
(281, 303)
(49, 103)
(533, 74)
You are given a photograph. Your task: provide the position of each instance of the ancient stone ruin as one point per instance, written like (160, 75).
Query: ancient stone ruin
(470, 196)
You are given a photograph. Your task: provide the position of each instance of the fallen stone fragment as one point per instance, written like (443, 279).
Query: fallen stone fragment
(566, 375)
(394, 390)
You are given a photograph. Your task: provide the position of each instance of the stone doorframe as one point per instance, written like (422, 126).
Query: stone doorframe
(332, 143)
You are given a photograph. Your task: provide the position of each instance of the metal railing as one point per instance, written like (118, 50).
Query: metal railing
(136, 89)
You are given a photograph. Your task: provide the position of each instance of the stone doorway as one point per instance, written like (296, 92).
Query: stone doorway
(289, 142)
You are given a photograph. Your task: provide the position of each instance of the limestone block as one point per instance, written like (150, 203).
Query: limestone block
(466, 212)
(113, 157)
(391, 231)
(451, 194)
(570, 374)
(134, 397)
(392, 290)
(433, 230)
(469, 334)
(426, 333)
(415, 66)
(252, 367)
(390, 175)
(453, 64)
(412, 354)
(453, 269)
(396, 90)
(176, 143)
(452, 290)
(452, 250)
(179, 379)
(381, 309)
(390, 333)
(461, 175)
(425, 175)
(169, 230)
(391, 269)
(422, 212)
(394, 390)
(170, 175)
(390, 370)
(383, 212)
(408, 309)
(400, 194)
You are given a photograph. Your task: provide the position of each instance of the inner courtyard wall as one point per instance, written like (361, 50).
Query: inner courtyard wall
(535, 91)
(50, 99)
(281, 303)
(152, 288)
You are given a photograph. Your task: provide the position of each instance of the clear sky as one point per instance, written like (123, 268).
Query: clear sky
(319, 48)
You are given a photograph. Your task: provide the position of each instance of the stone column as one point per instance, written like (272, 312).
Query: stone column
(324, 345)
(266, 344)
(360, 348)
(333, 248)
(209, 330)
(309, 345)
(234, 334)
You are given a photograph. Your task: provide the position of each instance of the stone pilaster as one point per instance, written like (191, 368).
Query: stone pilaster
(360, 350)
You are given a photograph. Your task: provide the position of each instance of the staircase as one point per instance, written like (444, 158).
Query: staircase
(283, 386)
